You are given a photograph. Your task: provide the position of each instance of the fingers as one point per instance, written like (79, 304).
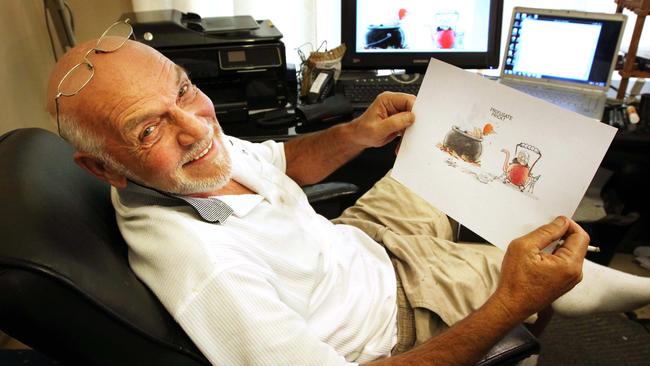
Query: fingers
(397, 102)
(546, 234)
(400, 121)
(389, 115)
(575, 242)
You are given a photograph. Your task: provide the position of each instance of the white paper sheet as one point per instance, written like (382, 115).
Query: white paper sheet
(528, 161)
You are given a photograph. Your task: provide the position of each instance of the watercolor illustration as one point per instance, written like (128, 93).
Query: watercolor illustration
(519, 171)
(466, 145)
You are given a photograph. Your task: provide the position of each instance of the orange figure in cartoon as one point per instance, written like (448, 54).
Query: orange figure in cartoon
(401, 13)
(518, 171)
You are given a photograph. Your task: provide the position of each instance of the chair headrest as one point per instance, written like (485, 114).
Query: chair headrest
(57, 220)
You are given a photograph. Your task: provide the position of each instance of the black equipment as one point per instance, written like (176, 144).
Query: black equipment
(238, 62)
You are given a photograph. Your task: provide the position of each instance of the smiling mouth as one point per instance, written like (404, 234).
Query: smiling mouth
(201, 154)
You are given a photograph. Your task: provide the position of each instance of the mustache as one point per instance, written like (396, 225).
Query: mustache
(197, 147)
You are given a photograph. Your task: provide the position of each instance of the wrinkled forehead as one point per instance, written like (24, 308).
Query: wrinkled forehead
(120, 76)
(123, 71)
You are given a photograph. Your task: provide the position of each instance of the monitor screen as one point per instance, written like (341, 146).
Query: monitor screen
(388, 34)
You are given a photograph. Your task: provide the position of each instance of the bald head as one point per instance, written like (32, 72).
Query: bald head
(119, 77)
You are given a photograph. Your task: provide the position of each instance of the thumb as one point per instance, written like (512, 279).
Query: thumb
(546, 234)
(400, 121)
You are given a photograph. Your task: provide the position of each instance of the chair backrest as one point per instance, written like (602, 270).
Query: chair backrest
(66, 288)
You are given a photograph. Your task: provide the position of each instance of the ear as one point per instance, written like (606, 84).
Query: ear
(97, 168)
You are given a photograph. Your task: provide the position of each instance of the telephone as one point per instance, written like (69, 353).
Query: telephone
(321, 87)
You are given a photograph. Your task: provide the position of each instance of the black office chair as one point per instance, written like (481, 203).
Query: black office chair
(65, 284)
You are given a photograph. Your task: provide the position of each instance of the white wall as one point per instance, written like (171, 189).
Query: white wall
(26, 57)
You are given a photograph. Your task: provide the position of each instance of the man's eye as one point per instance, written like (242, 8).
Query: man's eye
(148, 131)
(183, 90)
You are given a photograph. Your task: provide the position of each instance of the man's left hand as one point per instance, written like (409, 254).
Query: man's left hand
(385, 119)
(312, 157)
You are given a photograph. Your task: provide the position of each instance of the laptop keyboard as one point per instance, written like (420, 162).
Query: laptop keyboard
(574, 101)
(363, 91)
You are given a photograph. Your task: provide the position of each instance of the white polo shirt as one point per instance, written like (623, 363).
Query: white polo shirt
(273, 283)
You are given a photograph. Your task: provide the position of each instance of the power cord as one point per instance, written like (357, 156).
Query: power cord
(49, 30)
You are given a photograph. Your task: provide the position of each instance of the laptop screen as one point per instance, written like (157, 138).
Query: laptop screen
(563, 48)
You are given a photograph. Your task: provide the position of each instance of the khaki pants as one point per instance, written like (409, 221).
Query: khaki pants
(439, 282)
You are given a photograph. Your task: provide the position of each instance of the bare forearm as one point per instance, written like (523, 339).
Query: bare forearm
(312, 157)
(464, 343)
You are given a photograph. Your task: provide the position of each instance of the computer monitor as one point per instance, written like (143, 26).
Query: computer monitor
(389, 34)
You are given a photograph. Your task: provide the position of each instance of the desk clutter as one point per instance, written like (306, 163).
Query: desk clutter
(623, 117)
(629, 117)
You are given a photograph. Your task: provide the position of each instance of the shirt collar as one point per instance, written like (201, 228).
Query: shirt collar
(210, 209)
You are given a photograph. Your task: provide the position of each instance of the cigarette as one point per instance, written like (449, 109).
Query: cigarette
(590, 248)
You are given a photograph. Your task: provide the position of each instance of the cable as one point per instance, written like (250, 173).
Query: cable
(49, 32)
(71, 28)
(67, 6)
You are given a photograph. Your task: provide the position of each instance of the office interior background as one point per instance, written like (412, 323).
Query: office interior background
(27, 56)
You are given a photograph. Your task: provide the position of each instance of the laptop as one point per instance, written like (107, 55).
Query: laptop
(562, 56)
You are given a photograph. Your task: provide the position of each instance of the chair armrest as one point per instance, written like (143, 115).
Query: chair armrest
(514, 347)
(330, 199)
(328, 191)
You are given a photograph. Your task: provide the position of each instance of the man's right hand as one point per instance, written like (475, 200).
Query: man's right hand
(530, 278)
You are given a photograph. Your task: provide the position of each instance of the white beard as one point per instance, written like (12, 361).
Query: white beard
(184, 186)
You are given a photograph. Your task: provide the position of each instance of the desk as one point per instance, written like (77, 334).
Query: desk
(250, 131)
(253, 131)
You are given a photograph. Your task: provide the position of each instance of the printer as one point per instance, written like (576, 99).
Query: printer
(238, 62)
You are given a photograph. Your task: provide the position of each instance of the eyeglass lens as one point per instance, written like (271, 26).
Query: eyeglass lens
(76, 79)
(114, 37)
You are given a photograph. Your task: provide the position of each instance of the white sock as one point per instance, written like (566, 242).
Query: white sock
(641, 251)
(604, 289)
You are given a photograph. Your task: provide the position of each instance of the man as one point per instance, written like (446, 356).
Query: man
(229, 244)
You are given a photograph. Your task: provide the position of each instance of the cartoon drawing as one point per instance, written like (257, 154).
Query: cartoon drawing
(518, 172)
(466, 145)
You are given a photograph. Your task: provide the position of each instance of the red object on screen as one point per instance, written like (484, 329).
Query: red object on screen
(446, 38)
(402, 13)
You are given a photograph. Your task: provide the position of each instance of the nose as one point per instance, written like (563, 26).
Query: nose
(190, 128)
